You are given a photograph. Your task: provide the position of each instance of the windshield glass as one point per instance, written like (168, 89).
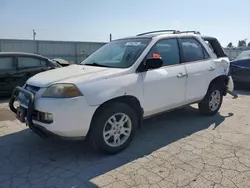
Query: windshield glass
(243, 55)
(117, 54)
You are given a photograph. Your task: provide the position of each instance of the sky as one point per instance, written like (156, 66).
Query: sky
(82, 20)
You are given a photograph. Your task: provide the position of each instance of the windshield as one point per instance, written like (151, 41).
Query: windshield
(243, 55)
(118, 54)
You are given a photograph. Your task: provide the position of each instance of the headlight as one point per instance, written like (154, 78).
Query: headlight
(62, 91)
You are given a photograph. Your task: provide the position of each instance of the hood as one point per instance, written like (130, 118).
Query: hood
(71, 74)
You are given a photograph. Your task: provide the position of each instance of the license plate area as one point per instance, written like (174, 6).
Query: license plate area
(21, 114)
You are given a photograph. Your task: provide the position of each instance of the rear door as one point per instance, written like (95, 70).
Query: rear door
(28, 67)
(7, 75)
(200, 68)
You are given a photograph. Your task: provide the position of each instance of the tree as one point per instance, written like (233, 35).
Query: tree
(230, 45)
(242, 43)
(248, 44)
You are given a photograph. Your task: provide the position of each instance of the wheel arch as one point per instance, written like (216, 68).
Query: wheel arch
(130, 100)
(222, 80)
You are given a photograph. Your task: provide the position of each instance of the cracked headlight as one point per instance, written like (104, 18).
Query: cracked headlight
(62, 91)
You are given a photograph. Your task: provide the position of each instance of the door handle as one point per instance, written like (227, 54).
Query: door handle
(211, 68)
(181, 75)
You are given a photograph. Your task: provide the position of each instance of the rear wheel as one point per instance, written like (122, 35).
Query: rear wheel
(211, 103)
(113, 128)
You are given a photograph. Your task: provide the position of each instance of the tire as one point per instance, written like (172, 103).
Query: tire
(100, 124)
(205, 107)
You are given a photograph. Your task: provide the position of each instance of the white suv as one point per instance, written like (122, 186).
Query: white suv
(106, 97)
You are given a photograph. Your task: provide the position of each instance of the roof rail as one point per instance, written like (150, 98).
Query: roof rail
(195, 32)
(159, 31)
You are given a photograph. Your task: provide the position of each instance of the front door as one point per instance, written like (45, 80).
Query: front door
(164, 88)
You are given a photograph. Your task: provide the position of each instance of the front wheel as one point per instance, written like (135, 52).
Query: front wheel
(113, 128)
(211, 103)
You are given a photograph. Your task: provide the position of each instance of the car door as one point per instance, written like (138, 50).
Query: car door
(7, 75)
(240, 70)
(199, 66)
(164, 88)
(28, 67)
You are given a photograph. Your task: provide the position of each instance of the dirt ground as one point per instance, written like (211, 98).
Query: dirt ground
(177, 149)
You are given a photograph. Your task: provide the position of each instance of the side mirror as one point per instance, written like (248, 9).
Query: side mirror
(154, 63)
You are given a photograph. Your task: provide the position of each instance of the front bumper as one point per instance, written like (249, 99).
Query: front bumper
(71, 116)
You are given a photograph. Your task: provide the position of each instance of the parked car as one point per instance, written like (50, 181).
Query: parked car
(62, 62)
(106, 97)
(17, 68)
(240, 68)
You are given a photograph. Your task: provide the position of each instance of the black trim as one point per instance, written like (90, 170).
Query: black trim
(194, 32)
(159, 31)
(180, 51)
(218, 50)
(30, 108)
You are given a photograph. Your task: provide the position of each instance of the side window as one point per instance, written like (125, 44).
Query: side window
(193, 50)
(28, 62)
(168, 50)
(6, 63)
(43, 63)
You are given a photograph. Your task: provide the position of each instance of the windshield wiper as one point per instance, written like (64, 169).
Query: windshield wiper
(96, 64)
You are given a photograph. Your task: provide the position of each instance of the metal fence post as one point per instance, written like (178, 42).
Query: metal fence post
(76, 52)
(37, 47)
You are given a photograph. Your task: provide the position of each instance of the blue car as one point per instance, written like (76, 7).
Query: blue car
(240, 68)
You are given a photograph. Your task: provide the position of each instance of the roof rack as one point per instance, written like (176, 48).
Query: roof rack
(159, 31)
(195, 32)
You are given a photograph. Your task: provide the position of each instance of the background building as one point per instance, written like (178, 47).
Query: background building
(71, 51)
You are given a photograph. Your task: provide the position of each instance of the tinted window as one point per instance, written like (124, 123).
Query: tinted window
(28, 62)
(6, 63)
(193, 50)
(168, 50)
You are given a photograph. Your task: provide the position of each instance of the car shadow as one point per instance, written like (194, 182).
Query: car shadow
(60, 163)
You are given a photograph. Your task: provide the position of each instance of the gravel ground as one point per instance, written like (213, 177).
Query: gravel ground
(176, 149)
